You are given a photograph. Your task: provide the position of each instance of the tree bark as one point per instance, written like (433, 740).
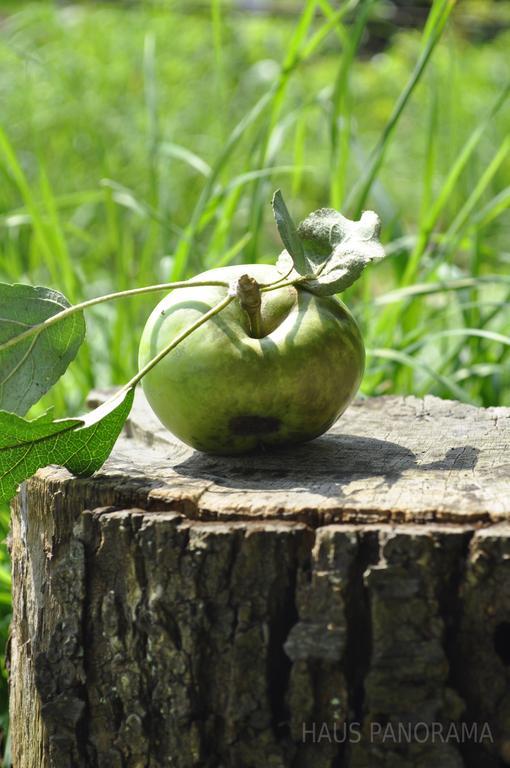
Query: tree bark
(344, 604)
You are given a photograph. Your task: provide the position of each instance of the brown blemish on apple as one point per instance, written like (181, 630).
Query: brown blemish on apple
(253, 425)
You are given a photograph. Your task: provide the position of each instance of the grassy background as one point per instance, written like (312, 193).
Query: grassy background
(142, 142)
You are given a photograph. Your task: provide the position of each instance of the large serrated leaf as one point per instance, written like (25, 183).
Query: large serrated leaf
(336, 249)
(29, 368)
(98, 433)
(82, 445)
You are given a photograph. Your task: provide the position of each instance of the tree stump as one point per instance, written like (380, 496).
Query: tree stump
(344, 604)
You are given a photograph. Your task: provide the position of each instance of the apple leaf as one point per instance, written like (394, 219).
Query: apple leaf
(289, 235)
(337, 249)
(82, 444)
(30, 367)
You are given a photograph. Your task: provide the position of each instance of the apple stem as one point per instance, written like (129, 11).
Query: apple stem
(297, 281)
(247, 291)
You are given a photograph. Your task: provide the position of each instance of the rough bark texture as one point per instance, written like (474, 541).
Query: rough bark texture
(187, 611)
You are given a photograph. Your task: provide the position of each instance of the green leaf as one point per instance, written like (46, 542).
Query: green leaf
(289, 235)
(95, 439)
(82, 445)
(29, 368)
(337, 249)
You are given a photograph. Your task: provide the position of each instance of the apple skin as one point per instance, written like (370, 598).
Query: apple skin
(224, 392)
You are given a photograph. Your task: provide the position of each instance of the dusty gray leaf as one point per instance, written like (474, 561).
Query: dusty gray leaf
(337, 248)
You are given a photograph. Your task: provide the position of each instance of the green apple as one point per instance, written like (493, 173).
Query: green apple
(225, 392)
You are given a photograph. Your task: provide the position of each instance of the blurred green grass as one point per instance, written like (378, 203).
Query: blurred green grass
(119, 169)
(142, 143)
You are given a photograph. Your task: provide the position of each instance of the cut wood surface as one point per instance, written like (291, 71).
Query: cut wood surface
(183, 610)
(387, 459)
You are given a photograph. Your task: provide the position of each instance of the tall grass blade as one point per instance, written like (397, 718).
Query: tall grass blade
(407, 360)
(358, 196)
(187, 241)
(427, 289)
(479, 189)
(341, 111)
